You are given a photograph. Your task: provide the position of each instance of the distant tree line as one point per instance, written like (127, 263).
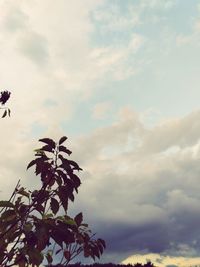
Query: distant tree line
(148, 264)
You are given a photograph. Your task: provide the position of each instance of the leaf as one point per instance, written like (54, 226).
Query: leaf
(62, 140)
(64, 149)
(76, 180)
(63, 195)
(5, 95)
(8, 215)
(58, 237)
(33, 162)
(71, 197)
(35, 256)
(96, 252)
(65, 232)
(4, 114)
(102, 242)
(54, 205)
(6, 204)
(48, 141)
(47, 148)
(9, 112)
(75, 165)
(78, 218)
(100, 248)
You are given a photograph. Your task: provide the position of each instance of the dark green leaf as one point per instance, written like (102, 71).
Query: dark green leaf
(75, 165)
(100, 248)
(78, 218)
(4, 114)
(63, 195)
(31, 164)
(54, 205)
(96, 251)
(6, 204)
(58, 237)
(62, 140)
(64, 149)
(47, 148)
(48, 141)
(71, 197)
(8, 215)
(35, 256)
(102, 242)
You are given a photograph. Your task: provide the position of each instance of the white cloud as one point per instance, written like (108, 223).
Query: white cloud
(162, 261)
(114, 59)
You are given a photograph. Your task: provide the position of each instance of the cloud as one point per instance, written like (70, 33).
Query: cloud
(113, 60)
(150, 188)
(173, 133)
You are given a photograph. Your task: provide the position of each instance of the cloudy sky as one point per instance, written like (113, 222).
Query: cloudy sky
(121, 80)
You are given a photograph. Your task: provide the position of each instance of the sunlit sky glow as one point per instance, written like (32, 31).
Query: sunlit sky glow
(121, 80)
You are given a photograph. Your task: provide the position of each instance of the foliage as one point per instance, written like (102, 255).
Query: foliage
(4, 96)
(35, 225)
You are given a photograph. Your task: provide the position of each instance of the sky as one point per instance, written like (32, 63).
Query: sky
(121, 80)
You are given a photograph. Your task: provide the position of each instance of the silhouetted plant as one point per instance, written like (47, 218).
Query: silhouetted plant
(35, 225)
(4, 96)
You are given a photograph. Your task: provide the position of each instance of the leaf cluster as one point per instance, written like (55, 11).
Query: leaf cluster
(35, 225)
(4, 96)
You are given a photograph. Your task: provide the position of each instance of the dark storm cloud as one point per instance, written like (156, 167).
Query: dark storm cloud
(163, 238)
